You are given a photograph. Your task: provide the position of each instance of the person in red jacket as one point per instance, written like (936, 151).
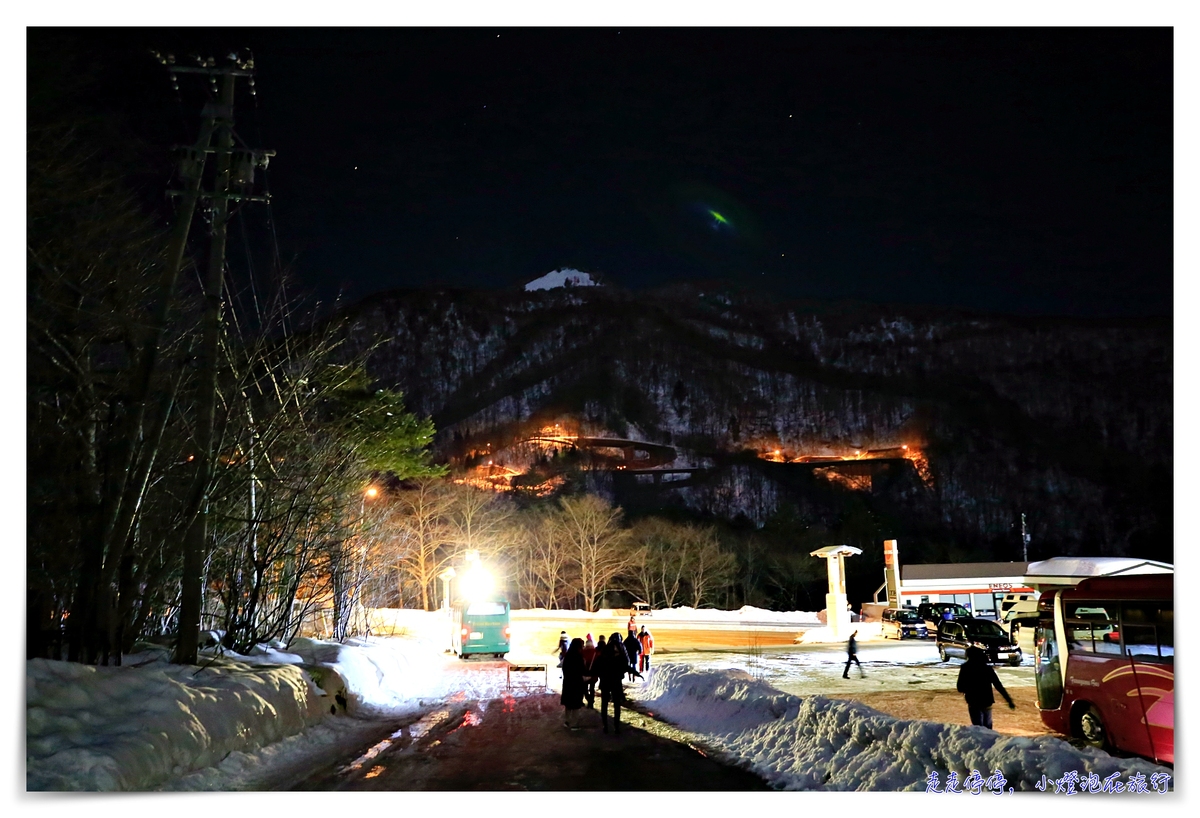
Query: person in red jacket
(647, 643)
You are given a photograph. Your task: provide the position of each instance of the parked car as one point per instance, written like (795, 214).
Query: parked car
(902, 622)
(956, 635)
(934, 612)
(1020, 629)
(1024, 603)
(640, 609)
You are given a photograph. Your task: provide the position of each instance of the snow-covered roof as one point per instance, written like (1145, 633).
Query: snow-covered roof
(1070, 570)
(566, 277)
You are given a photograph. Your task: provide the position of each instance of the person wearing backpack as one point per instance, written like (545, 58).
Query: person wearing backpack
(613, 666)
(590, 650)
(633, 650)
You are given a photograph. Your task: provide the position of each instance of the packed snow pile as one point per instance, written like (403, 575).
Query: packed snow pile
(566, 277)
(742, 616)
(867, 631)
(133, 727)
(128, 728)
(745, 614)
(374, 676)
(816, 743)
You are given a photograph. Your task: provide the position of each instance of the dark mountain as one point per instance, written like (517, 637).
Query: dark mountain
(1066, 420)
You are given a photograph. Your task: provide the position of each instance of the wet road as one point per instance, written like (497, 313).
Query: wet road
(520, 743)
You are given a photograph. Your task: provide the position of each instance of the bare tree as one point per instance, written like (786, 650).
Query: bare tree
(483, 521)
(598, 547)
(709, 568)
(662, 559)
(544, 560)
(424, 538)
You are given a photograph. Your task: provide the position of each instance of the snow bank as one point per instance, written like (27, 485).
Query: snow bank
(133, 727)
(129, 728)
(683, 613)
(746, 613)
(375, 676)
(815, 743)
(867, 632)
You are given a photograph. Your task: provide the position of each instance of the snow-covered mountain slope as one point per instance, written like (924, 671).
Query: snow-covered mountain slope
(1069, 421)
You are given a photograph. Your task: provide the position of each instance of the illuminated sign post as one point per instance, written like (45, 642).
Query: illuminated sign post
(891, 571)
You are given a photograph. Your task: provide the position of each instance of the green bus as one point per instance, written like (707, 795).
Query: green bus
(481, 627)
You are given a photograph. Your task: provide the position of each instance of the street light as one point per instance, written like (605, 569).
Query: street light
(477, 583)
(370, 493)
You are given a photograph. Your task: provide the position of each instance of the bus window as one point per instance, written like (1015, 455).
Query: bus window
(1048, 672)
(1148, 631)
(1166, 633)
(487, 609)
(1091, 627)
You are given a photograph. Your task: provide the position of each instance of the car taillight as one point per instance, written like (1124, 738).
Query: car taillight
(507, 632)
(465, 631)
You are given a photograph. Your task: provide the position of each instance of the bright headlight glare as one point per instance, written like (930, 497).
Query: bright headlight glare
(477, 583)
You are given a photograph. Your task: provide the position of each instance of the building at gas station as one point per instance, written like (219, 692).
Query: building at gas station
(982, 586)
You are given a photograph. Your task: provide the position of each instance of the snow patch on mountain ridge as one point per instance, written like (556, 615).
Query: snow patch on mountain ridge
(566, 277)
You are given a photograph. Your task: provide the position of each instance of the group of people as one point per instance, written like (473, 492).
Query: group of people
(587, 663)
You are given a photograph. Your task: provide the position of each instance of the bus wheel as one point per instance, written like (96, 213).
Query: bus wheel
(1091, 727)
(942, 654)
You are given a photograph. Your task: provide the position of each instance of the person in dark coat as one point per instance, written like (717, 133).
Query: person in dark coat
(852, 656)
(613, 666)
(589, 670)
(572, 685)
(976, 678)
(563, 643)
(633, 649)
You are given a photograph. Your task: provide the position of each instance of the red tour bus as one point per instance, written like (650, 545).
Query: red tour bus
(1106, 663)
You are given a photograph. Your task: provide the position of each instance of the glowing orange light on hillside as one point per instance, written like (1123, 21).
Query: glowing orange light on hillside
(371, 492)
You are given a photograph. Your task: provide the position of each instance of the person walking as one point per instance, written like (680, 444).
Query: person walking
(633, 650)
(613, 666)
(563, 643)
(572, 683)
(631, 626)
(852, 656)
(976, 678)
(647, 643)
(589, 672)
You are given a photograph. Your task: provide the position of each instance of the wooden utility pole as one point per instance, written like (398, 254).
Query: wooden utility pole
(195, 542)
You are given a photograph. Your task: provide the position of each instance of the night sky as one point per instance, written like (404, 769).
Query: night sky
(1005, 170)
